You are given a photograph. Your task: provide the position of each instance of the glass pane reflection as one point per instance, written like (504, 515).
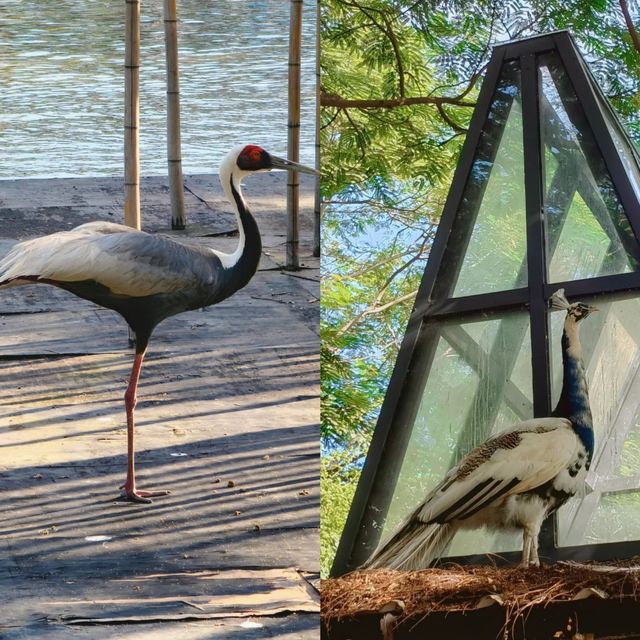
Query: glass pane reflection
(493, 203)
(609, 509)
(479, 383)
(587, 230)
(626, 149)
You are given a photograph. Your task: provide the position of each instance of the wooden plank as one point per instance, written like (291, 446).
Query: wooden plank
(227, 419)
(77, 326)
(190, 595)
(593, 617)
(291, 627)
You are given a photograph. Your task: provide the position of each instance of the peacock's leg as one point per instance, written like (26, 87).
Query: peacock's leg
(526, 548)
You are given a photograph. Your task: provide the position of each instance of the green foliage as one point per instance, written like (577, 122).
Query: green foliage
(345, 403)
(373, 50)
(337, 482)
(399, 82)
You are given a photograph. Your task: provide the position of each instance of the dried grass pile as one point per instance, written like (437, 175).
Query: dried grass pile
(459, 588)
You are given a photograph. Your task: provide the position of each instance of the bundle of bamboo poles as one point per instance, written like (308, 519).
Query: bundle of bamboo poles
(132, 114)
(293, 140)
(174, 155)
(317, 208)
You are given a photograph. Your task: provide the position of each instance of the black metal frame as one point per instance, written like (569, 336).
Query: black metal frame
(435, 304)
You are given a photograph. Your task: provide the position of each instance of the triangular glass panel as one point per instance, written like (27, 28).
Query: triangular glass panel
(587, 231)
(627, 152)
(493, 204)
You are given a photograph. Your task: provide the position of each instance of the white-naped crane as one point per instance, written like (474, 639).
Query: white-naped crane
(515, 479)
(147, 278)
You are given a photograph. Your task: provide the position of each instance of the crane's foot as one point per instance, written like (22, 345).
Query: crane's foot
(134, 495)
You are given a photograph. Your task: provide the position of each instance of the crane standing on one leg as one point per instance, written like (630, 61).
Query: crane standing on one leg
(146, 278)
(515, 479)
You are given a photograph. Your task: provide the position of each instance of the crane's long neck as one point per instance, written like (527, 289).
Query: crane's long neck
(574, 398)
(243, 262)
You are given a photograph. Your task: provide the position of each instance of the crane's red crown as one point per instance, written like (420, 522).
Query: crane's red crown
(253, 158)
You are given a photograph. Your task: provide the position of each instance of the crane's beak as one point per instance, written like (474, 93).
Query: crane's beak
(289, 165)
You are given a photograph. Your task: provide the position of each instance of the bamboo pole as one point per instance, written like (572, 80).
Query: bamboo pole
(174, 155)
(317, 206)
(132, 114)
(293, 141)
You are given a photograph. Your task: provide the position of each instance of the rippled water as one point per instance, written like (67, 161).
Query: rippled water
(62, 84)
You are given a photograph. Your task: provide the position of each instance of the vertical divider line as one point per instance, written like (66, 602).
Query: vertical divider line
(536, 259)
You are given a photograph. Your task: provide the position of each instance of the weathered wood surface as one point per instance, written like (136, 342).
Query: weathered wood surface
(227, 420)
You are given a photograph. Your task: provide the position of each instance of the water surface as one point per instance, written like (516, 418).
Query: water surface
(62, 84)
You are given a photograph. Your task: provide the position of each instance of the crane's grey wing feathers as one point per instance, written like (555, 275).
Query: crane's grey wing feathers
(518, 460)
(128, 262)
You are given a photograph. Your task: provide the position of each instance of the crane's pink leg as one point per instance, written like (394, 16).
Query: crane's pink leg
(129, 491)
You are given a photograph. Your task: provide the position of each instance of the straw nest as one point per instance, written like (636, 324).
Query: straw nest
(411, 594)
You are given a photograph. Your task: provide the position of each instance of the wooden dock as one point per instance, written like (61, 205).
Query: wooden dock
(227, 420)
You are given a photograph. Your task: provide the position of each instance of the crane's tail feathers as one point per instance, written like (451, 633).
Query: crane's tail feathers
(28, 261)
(15, 282)
(15, 269)
(8, 273)
(416, 545)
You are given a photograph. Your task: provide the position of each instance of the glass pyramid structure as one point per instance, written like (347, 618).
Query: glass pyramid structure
(546, 195)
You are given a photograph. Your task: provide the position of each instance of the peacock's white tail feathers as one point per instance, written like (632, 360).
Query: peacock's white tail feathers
(415, 545)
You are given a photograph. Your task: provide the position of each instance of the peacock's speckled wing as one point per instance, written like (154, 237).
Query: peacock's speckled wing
(514, 461)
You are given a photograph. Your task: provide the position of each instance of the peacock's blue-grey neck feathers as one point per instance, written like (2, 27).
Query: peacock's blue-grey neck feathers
(574, 398)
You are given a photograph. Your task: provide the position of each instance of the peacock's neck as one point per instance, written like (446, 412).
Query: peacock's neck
(574, 398)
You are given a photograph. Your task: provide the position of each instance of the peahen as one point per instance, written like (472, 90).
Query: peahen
(515, 479)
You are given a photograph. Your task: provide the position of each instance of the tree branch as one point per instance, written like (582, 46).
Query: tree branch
(392, 303)
(396, 50)
(333, 117)
(333, 100)
(356, 128)
(388, 31)
(445, 116)
(375, 306)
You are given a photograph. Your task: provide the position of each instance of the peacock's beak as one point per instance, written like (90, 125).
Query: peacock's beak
(592, 308)
(290, 165)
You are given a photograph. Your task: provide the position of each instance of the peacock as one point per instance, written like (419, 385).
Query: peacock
(515, 479)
